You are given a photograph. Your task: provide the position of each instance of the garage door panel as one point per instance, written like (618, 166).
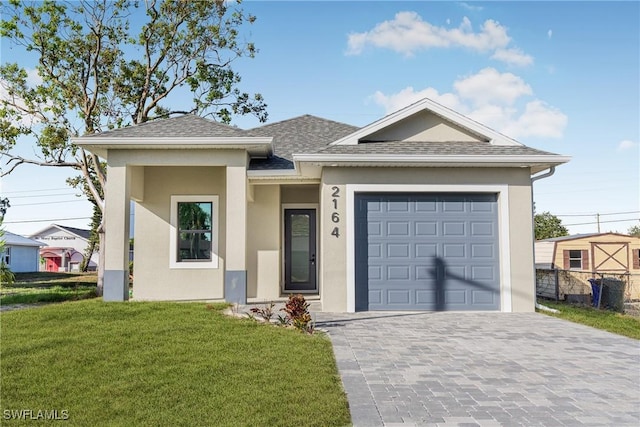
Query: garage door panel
(427, 252)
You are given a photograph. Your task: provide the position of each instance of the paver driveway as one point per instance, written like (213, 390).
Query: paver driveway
(483, 369)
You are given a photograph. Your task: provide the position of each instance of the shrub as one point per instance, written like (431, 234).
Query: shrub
(297, 309)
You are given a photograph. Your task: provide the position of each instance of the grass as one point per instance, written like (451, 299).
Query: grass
(31, 288)
(606, 320)
(165, 364)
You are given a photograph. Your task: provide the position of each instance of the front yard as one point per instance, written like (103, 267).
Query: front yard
(42, 287)
(164, 364)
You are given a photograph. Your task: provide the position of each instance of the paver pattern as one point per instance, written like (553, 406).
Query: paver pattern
(483, 369)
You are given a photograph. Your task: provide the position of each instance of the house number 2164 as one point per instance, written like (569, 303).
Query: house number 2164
(335, 216)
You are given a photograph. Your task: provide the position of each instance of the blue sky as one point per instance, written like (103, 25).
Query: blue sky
(558, 76)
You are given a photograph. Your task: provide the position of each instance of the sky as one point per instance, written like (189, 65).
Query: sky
(562, 77)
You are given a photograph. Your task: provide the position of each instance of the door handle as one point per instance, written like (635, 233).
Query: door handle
(313, 259)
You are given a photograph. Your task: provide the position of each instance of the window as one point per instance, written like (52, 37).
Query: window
(575, 259)
(194, 232)
(6, 255)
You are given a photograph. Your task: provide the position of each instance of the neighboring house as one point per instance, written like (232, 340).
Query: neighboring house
(424, 209)
(585, 256)
(65, 248)
(22, 255)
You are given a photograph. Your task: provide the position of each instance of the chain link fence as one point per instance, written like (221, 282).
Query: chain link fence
(621, 290)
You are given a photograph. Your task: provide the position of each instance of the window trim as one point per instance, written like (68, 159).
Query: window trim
(579, 258)
(173, 232)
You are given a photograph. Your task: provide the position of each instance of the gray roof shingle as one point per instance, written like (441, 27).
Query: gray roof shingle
(186, 126)
(303, 134)
(433, 148)
(307, 134)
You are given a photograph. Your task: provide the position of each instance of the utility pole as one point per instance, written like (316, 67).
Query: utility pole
(598, 220)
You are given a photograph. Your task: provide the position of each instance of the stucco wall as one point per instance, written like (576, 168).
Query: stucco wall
(423, 126)
(521, 274)
(154, 280)
(263, 243)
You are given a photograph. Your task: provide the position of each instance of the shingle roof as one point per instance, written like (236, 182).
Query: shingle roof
(85, 234)
(307, 134)
(187, 126)
(11, 239)
(303, 134)
(432, 148)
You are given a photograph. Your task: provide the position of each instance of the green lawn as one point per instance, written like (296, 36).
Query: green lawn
(165, 364)
(30, 288)
(611, 321)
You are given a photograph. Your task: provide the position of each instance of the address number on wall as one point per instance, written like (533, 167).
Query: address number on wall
(335, 216)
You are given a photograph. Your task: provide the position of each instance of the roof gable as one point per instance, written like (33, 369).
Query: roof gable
(78, 232)
(427, 119)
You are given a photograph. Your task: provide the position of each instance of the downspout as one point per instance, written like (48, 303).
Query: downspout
(547, 174)
(551, 171)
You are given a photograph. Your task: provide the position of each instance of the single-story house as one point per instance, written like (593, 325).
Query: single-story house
(20, 254)
(65, 248)
(584, 256)
(424, 209)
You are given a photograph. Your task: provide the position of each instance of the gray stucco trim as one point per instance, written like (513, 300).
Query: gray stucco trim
(235, 286)
(116, 285)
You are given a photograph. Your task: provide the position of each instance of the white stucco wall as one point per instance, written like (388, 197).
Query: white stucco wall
(153, 277)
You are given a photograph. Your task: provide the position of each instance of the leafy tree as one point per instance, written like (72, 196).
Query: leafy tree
(547, 226)
(95, 73)
(634, 231)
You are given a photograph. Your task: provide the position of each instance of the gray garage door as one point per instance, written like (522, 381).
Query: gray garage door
(425, 251)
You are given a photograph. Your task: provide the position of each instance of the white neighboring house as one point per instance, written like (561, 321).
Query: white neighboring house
(22, 255)
(65, 248)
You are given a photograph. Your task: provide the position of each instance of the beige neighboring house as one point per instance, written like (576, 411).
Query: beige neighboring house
(585, 256)
(64, 249)
(424, 209)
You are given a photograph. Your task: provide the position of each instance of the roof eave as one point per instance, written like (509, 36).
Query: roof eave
(537, 163)
(255, 146)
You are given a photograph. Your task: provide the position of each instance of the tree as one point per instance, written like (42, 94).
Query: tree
(634, 230)
(547, 226)
(95, 73)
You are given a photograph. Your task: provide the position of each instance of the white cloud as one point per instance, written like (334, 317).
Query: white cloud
(490, 86)
(549, 34)
(626, 144)
(513, 56)
(33, 77)
(471, 7)
(408, 33)
(497, 100)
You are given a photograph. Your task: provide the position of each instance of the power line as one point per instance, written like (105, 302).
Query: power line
(601, 214)
(35, 191)
(45, 220)
(51, 203)
(44, 195)
(603, 222)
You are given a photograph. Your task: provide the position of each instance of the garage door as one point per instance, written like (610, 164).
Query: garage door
(424, 251)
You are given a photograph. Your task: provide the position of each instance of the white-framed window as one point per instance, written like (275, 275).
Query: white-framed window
(6, 255)
(193, 234)
(575, 259)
